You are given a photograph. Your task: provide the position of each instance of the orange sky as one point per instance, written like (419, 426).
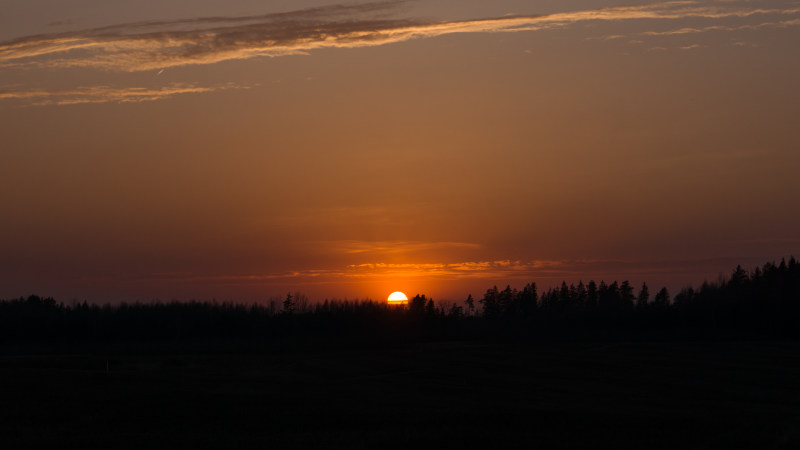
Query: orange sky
(243, 149)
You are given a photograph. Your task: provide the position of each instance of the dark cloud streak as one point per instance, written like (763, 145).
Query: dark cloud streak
(199, 36)
(156, 45)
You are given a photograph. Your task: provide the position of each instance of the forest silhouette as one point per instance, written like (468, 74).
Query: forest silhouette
(595, 365)
(764, 302)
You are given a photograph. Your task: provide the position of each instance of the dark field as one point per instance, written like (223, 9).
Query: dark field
(455, 395)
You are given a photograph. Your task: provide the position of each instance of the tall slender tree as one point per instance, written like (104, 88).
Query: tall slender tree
(289, 304)
(644, 297)
(470, 302)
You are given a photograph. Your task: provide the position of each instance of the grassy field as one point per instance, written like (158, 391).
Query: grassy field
(447, 395)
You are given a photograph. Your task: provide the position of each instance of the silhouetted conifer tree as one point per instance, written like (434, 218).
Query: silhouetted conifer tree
(581, 294)
(591, 295)
(528, 299)
(430, 308)
(644, 297)
(455, 311)
(417, 305)
(506, 300)
(626, 295)
(739, 277)
(470, 302)
(684, 297)
(563, 294)
(491, 303)
(662, 298)
(288, 304)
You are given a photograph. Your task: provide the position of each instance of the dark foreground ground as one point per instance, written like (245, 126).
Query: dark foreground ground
(454, 395)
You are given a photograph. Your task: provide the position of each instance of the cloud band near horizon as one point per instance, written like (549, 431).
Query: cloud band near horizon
(491, 271)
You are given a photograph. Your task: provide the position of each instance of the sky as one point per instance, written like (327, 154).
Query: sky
(242, 149)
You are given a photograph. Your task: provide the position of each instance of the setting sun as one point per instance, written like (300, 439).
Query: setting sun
(397, 297)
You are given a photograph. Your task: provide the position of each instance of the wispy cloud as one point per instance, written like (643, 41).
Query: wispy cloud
(393, 247)
(468, 269)
(369, 271)
(160, 44)
(502, 269)
(710, 28)
(109, 94)
(157, 45)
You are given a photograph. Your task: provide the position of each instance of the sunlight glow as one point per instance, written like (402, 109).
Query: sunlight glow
(397, 296)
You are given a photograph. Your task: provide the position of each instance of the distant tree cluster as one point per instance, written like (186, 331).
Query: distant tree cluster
(763, 302)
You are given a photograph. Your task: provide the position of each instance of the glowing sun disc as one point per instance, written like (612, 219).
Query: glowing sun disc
(398, 297)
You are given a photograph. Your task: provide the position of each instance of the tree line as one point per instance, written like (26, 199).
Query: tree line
(764, 302)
